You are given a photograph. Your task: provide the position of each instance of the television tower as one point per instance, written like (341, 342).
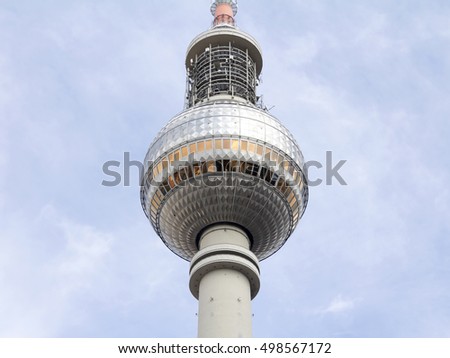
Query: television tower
(224, 184)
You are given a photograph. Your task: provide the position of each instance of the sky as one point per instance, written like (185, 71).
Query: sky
(83, 82)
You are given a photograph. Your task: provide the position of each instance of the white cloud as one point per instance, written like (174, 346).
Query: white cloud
(46, 262)
(301, 50)
(59, 276)
(339, 305)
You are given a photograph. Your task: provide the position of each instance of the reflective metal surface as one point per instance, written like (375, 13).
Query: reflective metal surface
(224, 162)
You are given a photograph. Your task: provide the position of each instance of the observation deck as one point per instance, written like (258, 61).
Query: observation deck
(222, 61)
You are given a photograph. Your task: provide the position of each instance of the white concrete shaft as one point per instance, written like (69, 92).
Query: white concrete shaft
(224, 292)
(224, 305)
(224, 234)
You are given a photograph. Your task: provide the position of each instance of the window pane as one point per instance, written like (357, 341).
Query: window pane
(291, 169)
(256, 168)
(177, 178)
(211, 167)
(218, 143)
(294, 204)
(171, 182)
(273, 156)
(197, 169)
(233, 166)
(184, 152)
(163, 190)
(156, 200)
(166, 185)
(208, 144)
(192, 148)
(226, 144)
(183, 173)
(291, 195)
(288, 192)
(269, 176)
(159, 195)
(274, 179)
(244, 144)
(201, 146)
(165, 164)
(235, 144)
(263, 173)
(248, 168)
(189, 172)
(259, 149)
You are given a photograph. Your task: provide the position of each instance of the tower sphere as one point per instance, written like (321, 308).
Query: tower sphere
(225, 159)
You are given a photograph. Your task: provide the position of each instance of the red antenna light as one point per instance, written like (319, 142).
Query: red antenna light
(224, 12)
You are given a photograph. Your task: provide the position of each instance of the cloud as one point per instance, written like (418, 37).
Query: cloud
(339, 305)
(59, 276)
(46, 263)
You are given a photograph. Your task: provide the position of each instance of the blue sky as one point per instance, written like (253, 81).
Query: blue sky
(82, 82)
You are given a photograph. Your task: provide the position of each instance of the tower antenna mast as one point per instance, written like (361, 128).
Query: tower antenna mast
(224, 11)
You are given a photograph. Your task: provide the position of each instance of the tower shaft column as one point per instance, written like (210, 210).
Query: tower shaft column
(224, 278)
(224, 305)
